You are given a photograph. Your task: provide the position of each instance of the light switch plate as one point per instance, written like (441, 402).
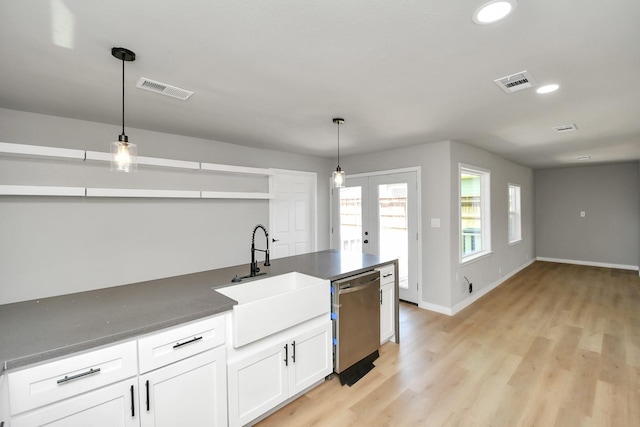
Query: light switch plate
(435, 222)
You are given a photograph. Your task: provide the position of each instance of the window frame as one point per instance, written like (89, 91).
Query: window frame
(485, 212)
(518, 235)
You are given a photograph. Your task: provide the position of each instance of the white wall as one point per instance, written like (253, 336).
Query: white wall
(505, 258)
(56, 245)
(436, 192)
(440, 246)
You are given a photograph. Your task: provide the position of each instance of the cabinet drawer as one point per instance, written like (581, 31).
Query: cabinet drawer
(171, 345)
(387, 274)
(53, 381)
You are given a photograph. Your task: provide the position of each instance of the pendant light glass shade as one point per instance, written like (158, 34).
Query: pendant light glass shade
(338, 177)
(124, 155)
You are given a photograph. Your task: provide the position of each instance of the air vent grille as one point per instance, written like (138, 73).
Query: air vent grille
(515, 82)
(566, 128)
(163, 88)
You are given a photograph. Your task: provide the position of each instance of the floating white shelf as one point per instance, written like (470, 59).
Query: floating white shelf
(130, 192)
(97, 155)
(40, 151)
(235, 169)
(66, 153)
(147, 161)
(168, 163)
(234, 195)
(40, 190)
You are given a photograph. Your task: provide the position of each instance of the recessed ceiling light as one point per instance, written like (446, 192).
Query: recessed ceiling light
(494, 11)
(548, 88)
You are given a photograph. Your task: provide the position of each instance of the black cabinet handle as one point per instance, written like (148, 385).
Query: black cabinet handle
(180, 344)
(380, 296)
(293, 344)
(148, 402)
(388, 274)
(274, 240)
(75, 377)
(133, 405)
(286, 355)
(365, 241)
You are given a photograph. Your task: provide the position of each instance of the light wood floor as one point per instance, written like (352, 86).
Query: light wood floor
(556, 345)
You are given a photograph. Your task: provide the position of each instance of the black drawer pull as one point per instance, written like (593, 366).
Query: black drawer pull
(75, 377)
(293, 344)
(387, 275)
(180, 344)
(148, 402)
(133, 405)
(286, 355)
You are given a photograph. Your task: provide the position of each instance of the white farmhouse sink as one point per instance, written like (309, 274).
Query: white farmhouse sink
(273, 304)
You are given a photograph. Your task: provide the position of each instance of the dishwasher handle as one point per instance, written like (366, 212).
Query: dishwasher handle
(359, 287)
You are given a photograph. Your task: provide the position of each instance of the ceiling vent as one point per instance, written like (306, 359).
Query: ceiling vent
(565, 128)
(163, 88)
(515, 82)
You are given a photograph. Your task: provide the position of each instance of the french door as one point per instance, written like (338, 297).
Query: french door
(378, 214)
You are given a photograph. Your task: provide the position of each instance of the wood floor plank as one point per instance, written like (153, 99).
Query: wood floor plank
(555, 345)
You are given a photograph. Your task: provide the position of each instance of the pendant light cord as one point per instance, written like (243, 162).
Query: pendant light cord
(123, 96)
(338, 145)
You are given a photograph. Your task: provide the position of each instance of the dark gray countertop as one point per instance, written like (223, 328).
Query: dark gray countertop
(38, 330)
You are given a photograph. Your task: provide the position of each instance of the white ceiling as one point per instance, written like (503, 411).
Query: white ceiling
(274, 73)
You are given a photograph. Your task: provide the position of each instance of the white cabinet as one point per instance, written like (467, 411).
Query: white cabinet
(191, 390)
(92, 388)
(183, 375)
(257, 383)
(4, 401)
(270, 374)
(311, 358)
(167, 378)
(387, 303)
(111, 406)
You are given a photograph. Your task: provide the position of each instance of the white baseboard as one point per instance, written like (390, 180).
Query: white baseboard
(435, 307)
(475, 296)
(589, 263)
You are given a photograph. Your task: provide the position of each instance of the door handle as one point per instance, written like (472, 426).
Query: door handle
(133, 405)
(357, 288)
(148, 402)
(286, 355)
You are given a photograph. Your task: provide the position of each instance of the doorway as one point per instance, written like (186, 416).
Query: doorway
(379, 214)
(292, 213)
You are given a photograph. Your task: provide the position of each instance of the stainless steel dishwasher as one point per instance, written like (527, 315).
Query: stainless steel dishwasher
(356, 317)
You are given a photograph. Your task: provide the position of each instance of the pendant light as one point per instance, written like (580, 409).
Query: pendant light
(123, 153)
(338, 175)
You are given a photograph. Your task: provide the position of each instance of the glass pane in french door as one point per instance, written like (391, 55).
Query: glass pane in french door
(351, 219)
(393, 230)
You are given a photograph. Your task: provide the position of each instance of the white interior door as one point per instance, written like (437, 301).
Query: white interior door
(378, 214)
(292, 213)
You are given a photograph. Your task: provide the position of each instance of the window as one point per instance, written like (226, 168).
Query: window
(515, 234)
(475, 216)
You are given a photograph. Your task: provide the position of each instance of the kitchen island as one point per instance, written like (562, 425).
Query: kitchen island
(39, 330)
